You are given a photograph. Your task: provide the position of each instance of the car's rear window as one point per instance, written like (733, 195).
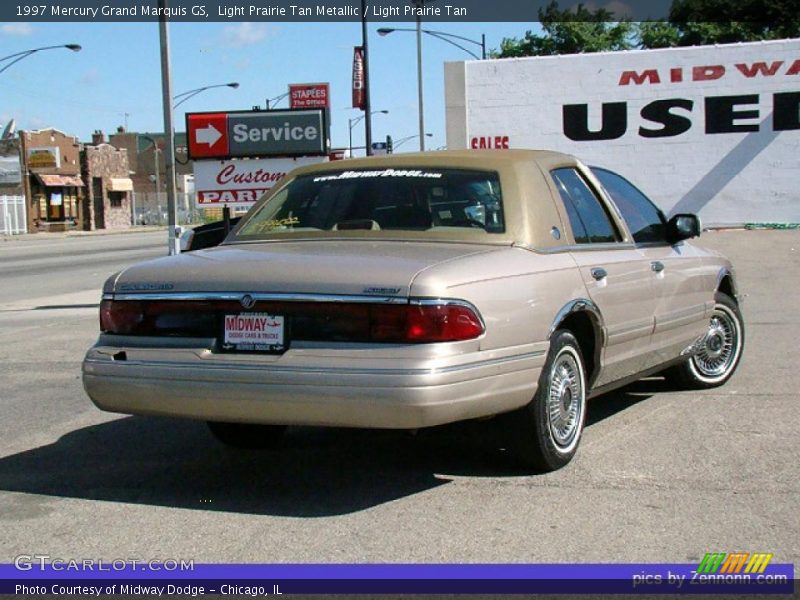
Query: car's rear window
(402, 199)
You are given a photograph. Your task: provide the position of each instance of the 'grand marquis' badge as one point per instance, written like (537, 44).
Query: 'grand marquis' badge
(145, 287)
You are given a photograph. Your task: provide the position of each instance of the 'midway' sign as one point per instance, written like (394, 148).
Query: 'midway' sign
(707, 129)
(257, 134)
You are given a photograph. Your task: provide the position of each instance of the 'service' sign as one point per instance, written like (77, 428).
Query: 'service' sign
(245, 134)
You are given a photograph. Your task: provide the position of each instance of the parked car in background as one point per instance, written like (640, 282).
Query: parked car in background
(205, 236)
(413, 290)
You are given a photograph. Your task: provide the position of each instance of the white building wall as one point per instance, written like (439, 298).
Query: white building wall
(728, 178)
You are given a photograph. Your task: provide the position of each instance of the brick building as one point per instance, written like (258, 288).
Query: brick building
(51, 179)
(69, 185)
(108, 186)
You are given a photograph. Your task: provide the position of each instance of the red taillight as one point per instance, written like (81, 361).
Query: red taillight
(162, 317)
(317, 321)
(424, 323)
(121, 317)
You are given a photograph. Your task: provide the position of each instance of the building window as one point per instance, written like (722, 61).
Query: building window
(116, 198)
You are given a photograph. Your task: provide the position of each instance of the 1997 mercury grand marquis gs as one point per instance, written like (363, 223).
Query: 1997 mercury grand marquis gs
(413, 290)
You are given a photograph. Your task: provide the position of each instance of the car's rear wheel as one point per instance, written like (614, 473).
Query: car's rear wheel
(547, 431)
(247, 435)
(720, 349)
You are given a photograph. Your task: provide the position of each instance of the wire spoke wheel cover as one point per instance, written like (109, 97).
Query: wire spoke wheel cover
(565, 399)
(721, 345)
(718, 351)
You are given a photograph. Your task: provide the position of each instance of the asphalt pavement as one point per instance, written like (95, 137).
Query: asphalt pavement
(43, 267)
(661, 475)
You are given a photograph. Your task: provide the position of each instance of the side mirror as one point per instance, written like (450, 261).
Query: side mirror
(683, 226)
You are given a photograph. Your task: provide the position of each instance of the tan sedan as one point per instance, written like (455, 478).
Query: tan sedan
(414, 290)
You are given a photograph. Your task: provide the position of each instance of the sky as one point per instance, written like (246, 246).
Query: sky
(116, 78)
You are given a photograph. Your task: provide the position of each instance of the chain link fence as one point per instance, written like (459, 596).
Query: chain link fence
(151, 209)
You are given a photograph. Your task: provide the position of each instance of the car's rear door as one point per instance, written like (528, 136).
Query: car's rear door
(682, 298)
(616, 274)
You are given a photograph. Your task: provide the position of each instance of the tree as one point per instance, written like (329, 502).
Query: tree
(569, 32)
(690, 23)
(699, 22)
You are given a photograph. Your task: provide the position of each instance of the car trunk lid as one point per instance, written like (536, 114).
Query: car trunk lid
(341, 267)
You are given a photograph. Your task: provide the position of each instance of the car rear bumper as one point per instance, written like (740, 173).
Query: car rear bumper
(361, 388)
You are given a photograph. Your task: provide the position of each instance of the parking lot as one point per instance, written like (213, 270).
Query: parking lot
(661, 475)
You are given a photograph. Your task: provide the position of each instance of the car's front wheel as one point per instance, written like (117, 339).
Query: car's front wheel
(247, 435)
(720, 349)
(547, 431)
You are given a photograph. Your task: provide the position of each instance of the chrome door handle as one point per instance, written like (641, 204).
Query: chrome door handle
(657, 266)
(599, 273)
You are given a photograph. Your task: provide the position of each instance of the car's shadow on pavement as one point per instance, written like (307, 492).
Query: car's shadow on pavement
(317, 472)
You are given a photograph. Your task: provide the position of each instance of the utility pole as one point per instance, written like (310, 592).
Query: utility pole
(420, 99)
(367, 108)
(169, 130)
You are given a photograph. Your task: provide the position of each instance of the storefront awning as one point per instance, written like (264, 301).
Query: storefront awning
(120, 184)
(60, 180)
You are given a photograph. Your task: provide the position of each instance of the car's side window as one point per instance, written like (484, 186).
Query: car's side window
(590, 222)
(644, 219)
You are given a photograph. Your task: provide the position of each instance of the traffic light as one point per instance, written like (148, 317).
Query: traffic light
(388, 144)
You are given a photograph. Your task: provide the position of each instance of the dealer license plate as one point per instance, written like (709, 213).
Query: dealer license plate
(254, 332)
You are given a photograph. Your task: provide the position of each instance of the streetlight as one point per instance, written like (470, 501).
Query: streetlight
(437, 34)
(191, 93)
(420, 4)
(384, 31)
(276, 99)
(353, 122)
(401, 141)
(20, 55)
(156, 150)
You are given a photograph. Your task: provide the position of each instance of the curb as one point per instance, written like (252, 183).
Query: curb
(80, 234)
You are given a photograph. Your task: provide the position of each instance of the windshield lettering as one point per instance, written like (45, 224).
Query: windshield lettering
(382, 173)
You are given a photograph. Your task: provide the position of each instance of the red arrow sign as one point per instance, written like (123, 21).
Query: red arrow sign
(208, 135)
